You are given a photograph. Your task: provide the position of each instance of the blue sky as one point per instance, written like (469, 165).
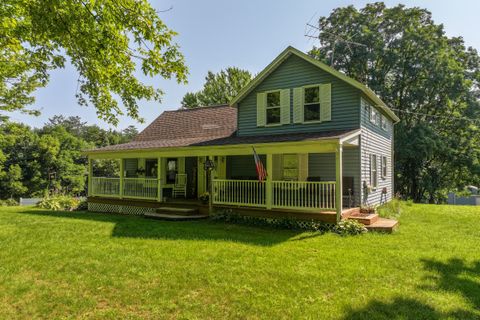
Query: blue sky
(215, 34)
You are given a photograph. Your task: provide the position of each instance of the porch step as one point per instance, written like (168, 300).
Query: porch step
(383, 225)
(365, 218)
(174, 217)
(178, 211)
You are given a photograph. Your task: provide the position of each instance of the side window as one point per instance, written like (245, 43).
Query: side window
(373, 171)
(384, 167)
(273, 108)
(384, 123)
(172, 170)
(290, 166)
(311, 104)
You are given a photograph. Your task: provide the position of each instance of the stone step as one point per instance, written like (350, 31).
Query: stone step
(178, 211)
(174, 217)
(365, 218)
(383, 225)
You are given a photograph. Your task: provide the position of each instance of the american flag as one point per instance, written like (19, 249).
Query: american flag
(261, 172)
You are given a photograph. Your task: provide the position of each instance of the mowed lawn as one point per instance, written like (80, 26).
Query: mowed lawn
(92, 265)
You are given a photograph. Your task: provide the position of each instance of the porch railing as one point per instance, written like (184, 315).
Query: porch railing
(239, 192)
(102, 186)
(142, 188)
(313, 195)
(303, 195)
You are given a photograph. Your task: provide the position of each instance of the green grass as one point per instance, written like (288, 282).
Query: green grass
(88, 265)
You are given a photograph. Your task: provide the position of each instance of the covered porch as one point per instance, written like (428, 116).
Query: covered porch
(304, 177)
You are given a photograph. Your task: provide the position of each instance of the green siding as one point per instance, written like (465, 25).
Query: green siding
(365, 120)
(296, 72)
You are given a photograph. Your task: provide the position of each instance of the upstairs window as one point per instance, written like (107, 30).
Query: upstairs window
(273, 108)
(311, 104)
(374, 116)
(384, 122)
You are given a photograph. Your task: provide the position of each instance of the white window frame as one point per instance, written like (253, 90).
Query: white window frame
(273, 107)
(373, 171)
(374, 116)
(309, 103)
(384, 123)
(384, 167)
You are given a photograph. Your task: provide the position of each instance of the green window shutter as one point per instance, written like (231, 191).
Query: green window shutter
(298, 105)
(285, 106)
(181, 165)
(261, 101)
(326, 102)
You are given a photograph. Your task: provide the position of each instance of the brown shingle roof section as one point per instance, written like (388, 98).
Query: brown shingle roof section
(183, 128)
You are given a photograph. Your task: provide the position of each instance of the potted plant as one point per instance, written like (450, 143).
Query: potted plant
(204, 197)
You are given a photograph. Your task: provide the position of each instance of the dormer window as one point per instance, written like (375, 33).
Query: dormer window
(311, 111)
(273, 108)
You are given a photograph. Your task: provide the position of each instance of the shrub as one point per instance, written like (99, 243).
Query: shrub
(391, 209)
(349, 228)
(59, 203)
(343, 228)
(8, 203)
(82, 206)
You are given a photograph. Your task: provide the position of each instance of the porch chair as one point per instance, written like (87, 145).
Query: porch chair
(180, 187)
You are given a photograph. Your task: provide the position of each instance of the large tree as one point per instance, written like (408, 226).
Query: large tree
(429, 79)
(219, 88)
(107, 41)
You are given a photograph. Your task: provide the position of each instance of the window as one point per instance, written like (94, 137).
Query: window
(273, 107)
(290, 167)
(374, 116)
(151, 168)
(373, 171)
(384, 167)
(311, 104)
(172, 169)
(384, 122)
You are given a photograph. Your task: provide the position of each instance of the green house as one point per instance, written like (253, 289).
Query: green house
(325, 140)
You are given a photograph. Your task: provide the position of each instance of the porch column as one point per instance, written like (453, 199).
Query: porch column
(122, 175)
(90, 177)
(338, 181)
(210, 187)
(159, 178)
(268, 182)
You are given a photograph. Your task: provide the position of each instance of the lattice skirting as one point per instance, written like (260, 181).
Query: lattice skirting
(117, 208)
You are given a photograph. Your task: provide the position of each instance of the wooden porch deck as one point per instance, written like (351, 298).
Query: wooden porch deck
(325, 216)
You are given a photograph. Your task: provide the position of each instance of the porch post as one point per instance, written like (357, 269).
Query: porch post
(90, 177)
(210, 187)
(338, 181)
(122, 175)
(159, 177)
(268, 183)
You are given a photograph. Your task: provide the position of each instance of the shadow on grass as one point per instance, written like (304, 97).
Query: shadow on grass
(453, 276)
(205, 230)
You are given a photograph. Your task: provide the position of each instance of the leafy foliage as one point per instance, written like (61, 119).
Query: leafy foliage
(9, 203)
(107, 41)
(219, 88)
(391, 209)
(33, 161)
(431, 80)
(59, 203)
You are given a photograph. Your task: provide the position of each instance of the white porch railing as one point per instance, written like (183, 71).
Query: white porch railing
(142, 188)
(239, 192)
(313, 195)
(303, 195)
(102, 186)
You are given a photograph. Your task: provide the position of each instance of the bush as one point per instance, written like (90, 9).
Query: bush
(349, 228)
(343, 228)
(59, 203)
(391, 209)
(8, 203)
(82, 206)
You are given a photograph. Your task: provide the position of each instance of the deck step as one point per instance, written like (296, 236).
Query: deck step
(365, 218)
(174, 217)
(178, 210)
(383, 225)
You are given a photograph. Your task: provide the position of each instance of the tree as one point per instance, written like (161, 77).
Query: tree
(105, 40)
(430, 80)
(11, 181)
(219, 88)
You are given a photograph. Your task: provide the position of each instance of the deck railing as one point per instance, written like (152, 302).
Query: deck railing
(102, 186)
(239, 192)
(142, 188)
(303, 195)
(312, 195)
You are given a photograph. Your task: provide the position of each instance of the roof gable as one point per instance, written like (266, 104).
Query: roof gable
(292, 51)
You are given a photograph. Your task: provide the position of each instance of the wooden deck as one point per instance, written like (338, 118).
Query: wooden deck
(325, 216)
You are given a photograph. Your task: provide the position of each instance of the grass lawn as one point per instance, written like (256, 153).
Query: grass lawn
(88, 265)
